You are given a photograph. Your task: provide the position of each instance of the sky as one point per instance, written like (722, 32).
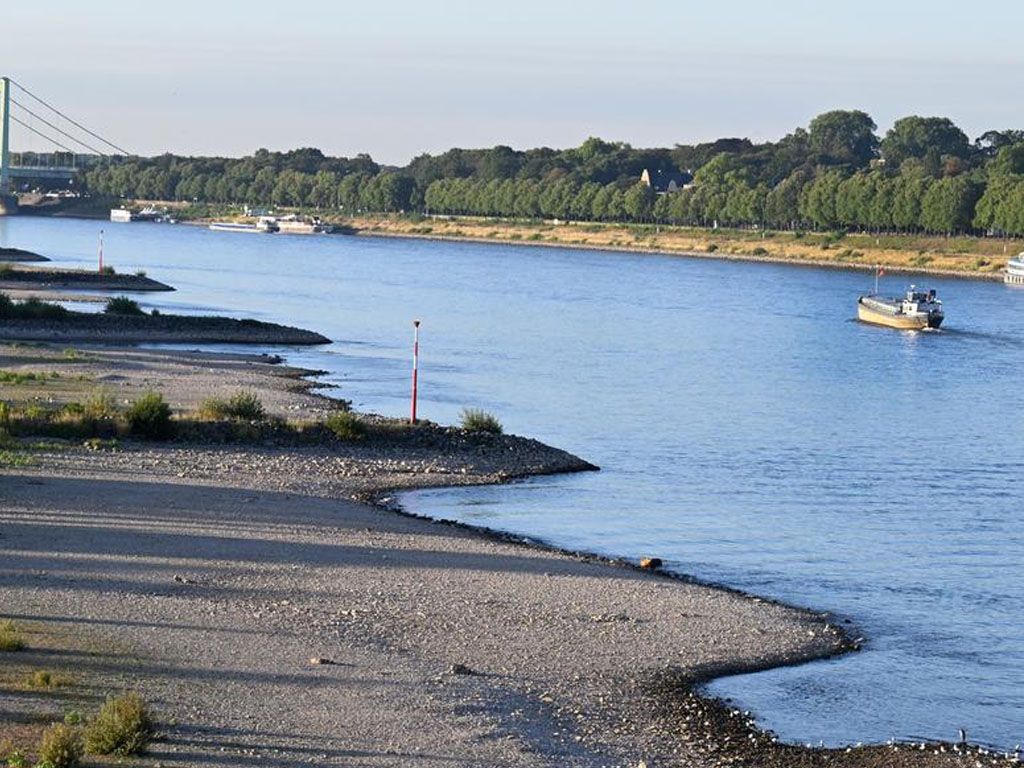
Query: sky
(396, 79)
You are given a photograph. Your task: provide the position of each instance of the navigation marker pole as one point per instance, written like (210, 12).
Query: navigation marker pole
(101, 251)
(415, 365)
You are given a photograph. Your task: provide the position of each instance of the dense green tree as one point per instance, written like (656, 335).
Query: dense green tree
(948, 205)
(638, 202)
(917, 136)
(818, 200)
(843, 137)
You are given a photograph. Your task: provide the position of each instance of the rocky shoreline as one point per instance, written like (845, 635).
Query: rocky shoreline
(19, 254)
(36, 278)
(129, 329)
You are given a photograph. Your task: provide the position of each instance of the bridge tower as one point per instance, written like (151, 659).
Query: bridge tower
(5, 125)
(8, 203)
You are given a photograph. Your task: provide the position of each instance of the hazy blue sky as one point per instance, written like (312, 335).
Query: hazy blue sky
(398, 78)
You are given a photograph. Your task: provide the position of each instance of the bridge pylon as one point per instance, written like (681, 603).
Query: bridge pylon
(8, 203)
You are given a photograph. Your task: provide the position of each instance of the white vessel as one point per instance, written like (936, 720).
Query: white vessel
(301, 225)
(1014, 274)
(263, 224)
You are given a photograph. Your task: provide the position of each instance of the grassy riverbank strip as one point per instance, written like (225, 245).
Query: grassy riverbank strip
(961, 257)
(275, 622)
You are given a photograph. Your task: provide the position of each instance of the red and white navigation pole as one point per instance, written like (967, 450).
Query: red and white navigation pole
(101, 251)
(415, 365)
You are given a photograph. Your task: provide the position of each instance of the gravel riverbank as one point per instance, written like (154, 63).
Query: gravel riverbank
(273, 620)
(115, 329)
(42, 278)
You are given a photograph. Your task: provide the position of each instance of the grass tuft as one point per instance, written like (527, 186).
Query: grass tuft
(150, 417)
(122, 305)
(123, 727)
(10, 637)
(242, 405)
(61, 746)
(346, 426)
(478, 420)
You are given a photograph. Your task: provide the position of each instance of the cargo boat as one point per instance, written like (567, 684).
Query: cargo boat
(262, 225)
(1014, 274)
(915, 311)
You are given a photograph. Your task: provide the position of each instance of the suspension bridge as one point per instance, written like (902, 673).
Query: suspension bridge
(67, 146)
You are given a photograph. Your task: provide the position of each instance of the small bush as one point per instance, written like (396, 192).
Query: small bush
(477, 420)
(346, 426)
(712, 248)
(122, 305)
(10, 637)
(759, 252)
(122, 727)
(108, 270)
(100, 405)
(61, 746)
(150, 417)
(41, 678)
(242, 404)
(140, 273)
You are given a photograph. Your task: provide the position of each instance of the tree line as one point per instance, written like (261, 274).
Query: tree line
(924, 175)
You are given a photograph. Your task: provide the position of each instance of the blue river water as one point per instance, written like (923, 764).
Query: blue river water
(750, 433)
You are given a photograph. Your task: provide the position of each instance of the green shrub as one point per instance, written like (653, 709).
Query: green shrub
(122, 727)
(242, 405)
(346, 425)
(61, 746)
(759, 252)
(246, 405)
(122, 305)
(140, 273)
(150, 417)
(712, 248)
(10, 637)
(108, 270)
(477, 420)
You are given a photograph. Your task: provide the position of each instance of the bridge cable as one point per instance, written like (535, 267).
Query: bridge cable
(58, 129)
(43, 135)
(73, 122)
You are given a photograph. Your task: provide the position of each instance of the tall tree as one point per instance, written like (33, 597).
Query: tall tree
(843, 137)
(917, 136)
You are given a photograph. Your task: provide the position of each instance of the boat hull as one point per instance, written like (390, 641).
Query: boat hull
(900, 321)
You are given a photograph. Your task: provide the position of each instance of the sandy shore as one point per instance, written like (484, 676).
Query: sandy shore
(960, 274)
(209, 577)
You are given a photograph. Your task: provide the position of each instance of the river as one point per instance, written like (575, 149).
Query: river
(750, 433)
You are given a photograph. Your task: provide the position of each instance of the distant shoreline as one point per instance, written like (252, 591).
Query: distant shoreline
(567, 235)
(716, 255)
